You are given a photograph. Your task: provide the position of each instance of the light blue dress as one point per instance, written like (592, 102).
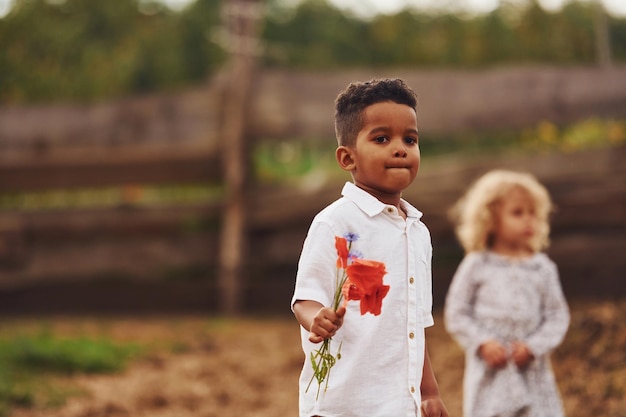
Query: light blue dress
(493, 297)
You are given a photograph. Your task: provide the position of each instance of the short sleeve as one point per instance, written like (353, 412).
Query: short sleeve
(317, 266)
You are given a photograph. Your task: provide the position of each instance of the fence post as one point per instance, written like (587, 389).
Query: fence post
(241, 18)
(602, 37)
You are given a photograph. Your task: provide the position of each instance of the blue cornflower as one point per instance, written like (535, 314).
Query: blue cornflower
(355, 254)
(351, 237)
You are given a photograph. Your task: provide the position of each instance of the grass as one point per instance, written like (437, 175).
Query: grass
(200, 365)
(30, 366)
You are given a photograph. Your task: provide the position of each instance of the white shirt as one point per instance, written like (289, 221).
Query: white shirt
(382, 357)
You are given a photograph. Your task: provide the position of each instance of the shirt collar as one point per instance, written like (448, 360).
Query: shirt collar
(532, 262)
(371, 205)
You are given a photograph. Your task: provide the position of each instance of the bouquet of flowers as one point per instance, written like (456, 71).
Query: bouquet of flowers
(356, 279)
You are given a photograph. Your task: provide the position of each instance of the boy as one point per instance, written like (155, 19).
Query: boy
(383, 369)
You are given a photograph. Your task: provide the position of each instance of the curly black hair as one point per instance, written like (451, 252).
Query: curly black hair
(357, 96)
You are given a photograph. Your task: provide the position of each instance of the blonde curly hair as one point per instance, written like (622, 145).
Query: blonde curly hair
(474, 214)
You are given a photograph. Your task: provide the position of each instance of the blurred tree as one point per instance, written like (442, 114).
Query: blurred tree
(86, 50)
(45, 53)
(402, 38)
(532, 32)
(573, 35)
(315, 35)
(496, 39)
(83, 50)
(200, 54)
(617, 38)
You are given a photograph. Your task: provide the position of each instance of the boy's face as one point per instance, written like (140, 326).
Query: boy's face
(386, 156)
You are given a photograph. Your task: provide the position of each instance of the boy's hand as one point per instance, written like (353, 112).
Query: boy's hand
(433, 407)
(326, 323)
(493, 353)
(521, 355)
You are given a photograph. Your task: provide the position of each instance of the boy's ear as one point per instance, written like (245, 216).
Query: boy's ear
(345, 158)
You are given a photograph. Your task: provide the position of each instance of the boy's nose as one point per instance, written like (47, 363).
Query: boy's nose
(400, 152)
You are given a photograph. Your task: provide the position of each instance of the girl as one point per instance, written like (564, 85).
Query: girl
(505, 305)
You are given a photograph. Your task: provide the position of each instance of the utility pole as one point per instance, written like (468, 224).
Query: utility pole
(602, 35)
(241, 22)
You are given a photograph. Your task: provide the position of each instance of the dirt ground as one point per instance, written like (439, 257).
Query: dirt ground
(207, 367)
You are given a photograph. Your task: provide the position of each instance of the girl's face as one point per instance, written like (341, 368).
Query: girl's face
(386, 157)
(516, 224)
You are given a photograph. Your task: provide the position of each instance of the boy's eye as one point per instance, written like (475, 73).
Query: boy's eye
(380, 139)
(410, 140)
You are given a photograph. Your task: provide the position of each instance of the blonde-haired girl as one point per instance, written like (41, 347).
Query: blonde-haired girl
(505, 305)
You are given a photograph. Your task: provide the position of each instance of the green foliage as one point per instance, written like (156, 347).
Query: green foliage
(586, 134)
(315, 35)
(89, 50)
(510, 34)
(86, 50)
(618, 38)
(291, 158)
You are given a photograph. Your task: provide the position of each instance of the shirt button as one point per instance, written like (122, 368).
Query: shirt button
(412, 390)
(411, 280)
(411, 335)
(389, 210)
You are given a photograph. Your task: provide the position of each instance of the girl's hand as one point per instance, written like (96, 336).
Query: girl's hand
(493, 353)
(433, 407)
(521, 355)
(326, 323)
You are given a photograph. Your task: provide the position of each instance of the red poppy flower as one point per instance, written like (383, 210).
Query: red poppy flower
(341, 244)
(350, 292)
(367, 275)
(360, 280)
(373, 303)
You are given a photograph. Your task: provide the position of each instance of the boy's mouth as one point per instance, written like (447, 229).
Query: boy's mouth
(398, 167)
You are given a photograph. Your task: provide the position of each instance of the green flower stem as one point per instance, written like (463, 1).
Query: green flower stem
(321, 359)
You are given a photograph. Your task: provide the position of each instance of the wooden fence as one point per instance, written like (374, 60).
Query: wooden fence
(161, 258)
(164, 258)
